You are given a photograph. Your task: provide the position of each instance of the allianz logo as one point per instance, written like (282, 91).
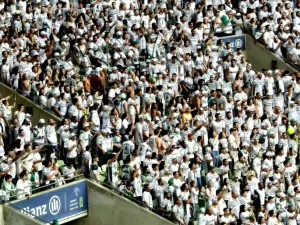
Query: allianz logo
(53, 208)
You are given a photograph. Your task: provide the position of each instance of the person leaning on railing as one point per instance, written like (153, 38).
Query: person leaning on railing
(8, 187)
(69, 172)
(49, 173)
(4, 168)
(23, 187)
(35, 179)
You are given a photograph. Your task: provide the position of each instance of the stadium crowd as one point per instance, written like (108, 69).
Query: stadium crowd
(155, 105)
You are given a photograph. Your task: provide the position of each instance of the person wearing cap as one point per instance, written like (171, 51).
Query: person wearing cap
(291, 112)
(39, 133)
(84, 137)
(201, 217)
(104, 145)
(95, 170)
(128, 147)
(72, 150)
(128, 190)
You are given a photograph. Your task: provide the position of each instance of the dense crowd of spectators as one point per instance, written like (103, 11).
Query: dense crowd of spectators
(154, 104)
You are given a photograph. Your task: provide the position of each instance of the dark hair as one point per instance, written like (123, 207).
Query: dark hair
(27, 145)
(17, 143)
(23, 173)
(7, 177)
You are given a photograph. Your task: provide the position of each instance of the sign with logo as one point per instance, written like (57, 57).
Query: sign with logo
(236, 41)
(63, 204)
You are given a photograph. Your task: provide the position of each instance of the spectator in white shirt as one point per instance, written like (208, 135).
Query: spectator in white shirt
(21, 189)
(147, 197)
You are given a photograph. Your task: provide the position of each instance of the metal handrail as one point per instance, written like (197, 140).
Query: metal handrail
(48, 185)
(130, 198)
(275, 53)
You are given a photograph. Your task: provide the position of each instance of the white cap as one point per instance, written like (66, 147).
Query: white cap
(268, 154)
(85, 125)
(72, 135)
(34, 53)
(197, 92)
(42, 121)
(107, 130)
(43, 33)
(245, 144)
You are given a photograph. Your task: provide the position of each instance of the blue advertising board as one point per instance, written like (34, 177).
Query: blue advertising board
(62, 204)
(236, 41)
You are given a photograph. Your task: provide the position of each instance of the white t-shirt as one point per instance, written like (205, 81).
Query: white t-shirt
(290, 221)
(72, 154)
(20, 189)
(13, 167)
(28, 162)
(147, 197)
(37, 157)
(210, 219)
